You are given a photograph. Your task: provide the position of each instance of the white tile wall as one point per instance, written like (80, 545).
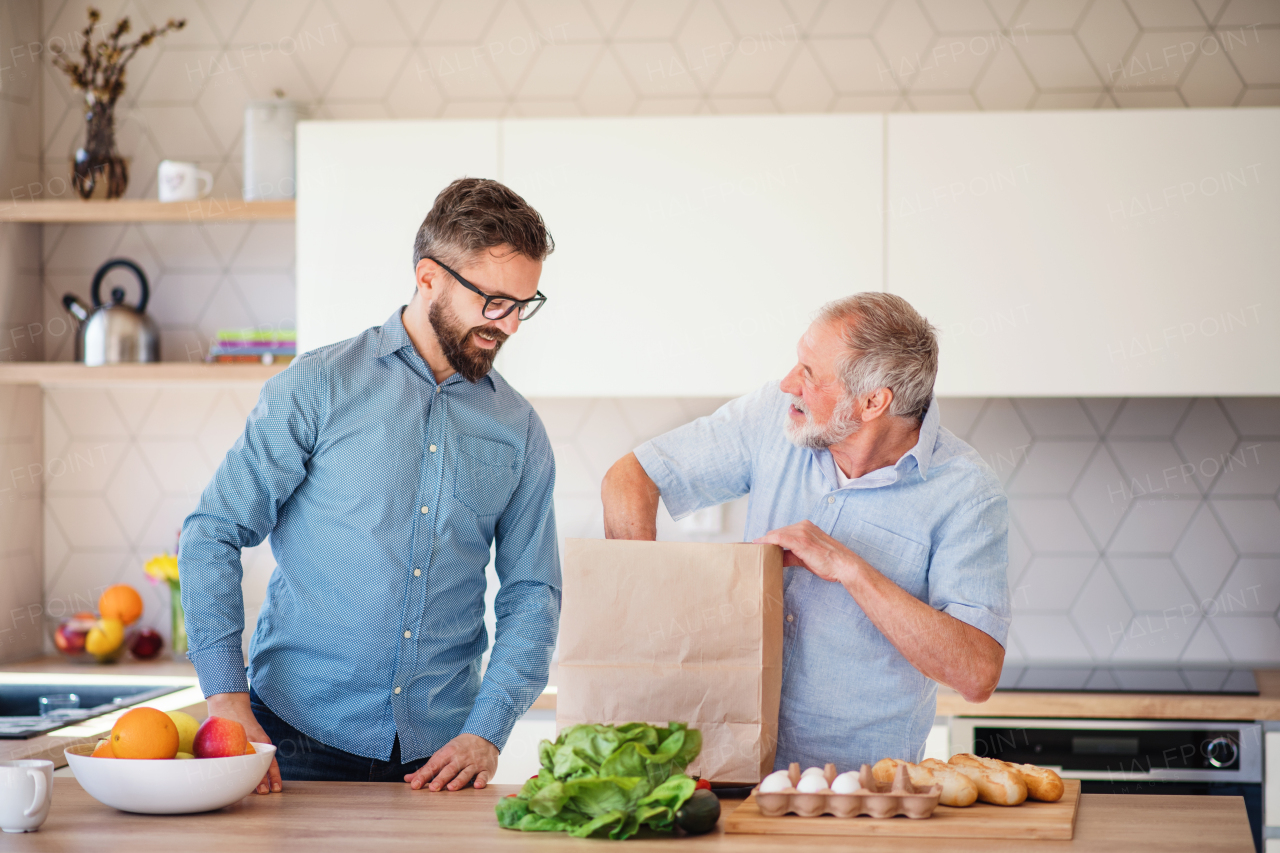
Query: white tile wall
(1171, 581)
(1150, 532)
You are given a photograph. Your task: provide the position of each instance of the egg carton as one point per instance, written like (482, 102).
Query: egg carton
(872, 798)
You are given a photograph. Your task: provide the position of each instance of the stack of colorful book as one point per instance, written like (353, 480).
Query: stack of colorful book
(274, 346)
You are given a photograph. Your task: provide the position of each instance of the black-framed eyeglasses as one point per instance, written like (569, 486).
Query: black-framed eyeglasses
(497, 307)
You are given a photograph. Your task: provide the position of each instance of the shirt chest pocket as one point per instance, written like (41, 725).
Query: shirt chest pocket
(901, 560)
(484, 474)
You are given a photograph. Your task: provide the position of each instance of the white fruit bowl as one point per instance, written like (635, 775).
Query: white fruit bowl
(179, 786)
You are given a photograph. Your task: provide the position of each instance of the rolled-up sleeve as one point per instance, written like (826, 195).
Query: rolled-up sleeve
(708, 462)
(238, 509)
(968, 572)
(527, 606)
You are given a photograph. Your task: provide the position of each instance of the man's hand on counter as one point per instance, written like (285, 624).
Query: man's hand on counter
(235, 706)
(466, 758)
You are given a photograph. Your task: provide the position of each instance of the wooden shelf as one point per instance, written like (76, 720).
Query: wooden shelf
(210, 210)
(68, 373)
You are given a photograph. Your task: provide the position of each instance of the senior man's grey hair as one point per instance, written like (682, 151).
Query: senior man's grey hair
(887, 344)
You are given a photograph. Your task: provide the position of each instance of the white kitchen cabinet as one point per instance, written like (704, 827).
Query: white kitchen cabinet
(1129, 253)
(690, 256)
(691, 252)
(1091, 253)
(364, 188)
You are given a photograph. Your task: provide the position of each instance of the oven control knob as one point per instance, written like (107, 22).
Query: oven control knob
(1220, 751)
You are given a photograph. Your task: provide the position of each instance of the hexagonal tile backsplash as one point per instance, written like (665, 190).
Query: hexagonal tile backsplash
(1140, 529)
(1124, 545)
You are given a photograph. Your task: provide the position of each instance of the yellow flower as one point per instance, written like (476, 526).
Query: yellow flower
(163, 568)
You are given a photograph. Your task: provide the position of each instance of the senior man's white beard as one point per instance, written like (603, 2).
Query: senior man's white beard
(844, 422)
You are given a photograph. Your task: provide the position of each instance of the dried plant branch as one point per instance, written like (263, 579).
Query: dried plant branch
(101, 72)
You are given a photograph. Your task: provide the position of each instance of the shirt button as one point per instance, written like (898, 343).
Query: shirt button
(433, 448)
(424, 510)
(417, 572)
(408, 634)
(830, 499)
(397, 691)
(791, 617)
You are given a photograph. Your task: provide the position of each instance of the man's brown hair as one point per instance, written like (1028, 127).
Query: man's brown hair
(474, 214)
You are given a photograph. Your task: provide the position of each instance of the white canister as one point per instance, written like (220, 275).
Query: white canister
(26, 790)
(269, 135)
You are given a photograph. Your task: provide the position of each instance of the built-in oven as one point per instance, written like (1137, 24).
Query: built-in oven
(1205, 758)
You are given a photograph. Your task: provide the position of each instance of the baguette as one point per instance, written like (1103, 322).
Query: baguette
(957, 789)
(1042, 783)
(998, 786)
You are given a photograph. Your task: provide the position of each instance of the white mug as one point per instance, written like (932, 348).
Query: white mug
(179, 181)
(26, 790)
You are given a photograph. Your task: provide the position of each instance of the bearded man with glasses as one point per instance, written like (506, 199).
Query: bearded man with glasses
(383, 468)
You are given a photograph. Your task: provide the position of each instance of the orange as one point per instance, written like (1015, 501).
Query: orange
(102, 750)
(144, 733)
(249, 750)
(121, 602)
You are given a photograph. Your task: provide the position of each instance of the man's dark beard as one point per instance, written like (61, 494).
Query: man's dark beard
(472, 362)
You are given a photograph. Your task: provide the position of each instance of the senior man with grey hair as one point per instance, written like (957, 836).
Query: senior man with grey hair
(895, 532)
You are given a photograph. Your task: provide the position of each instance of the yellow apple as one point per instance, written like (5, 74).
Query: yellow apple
(186, 725)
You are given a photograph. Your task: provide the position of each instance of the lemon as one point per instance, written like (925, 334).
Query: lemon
(104, 637)
(187, 726)
(184, 755)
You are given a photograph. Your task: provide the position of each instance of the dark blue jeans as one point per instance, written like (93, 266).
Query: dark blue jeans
(305, 759)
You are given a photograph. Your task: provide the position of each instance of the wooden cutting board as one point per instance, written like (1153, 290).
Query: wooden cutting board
(980, 820)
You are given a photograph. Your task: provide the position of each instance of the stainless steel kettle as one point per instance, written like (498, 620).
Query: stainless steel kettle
(115, 333)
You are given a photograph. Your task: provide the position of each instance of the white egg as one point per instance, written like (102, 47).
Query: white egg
(812, 771)
(776, 781)
(846, 783)
(812, 785)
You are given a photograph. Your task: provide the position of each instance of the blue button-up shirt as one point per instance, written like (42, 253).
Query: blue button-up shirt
(935, 523)
(382, 492)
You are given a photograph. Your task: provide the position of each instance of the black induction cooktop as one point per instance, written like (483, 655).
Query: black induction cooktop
(1120, 679)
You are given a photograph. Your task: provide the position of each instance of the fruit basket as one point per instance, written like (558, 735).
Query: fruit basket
(104, 637)
(871, 798)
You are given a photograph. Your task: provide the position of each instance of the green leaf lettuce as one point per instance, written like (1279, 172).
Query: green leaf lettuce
(597, 780)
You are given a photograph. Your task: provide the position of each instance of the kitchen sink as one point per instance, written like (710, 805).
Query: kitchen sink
(20, 704)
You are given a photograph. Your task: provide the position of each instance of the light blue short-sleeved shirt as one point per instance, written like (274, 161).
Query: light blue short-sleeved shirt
(935, 523)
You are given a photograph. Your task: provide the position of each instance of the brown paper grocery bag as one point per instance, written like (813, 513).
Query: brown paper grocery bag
(662, 632)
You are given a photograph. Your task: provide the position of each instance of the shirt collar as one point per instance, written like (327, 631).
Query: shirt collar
(393, 337)
(922, 452)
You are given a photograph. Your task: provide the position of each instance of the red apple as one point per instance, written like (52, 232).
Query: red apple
(147, 643)
(69, 638)
(219, 737)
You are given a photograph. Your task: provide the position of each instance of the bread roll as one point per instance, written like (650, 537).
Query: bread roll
(957, 789)
(1042, 783)
(999, 786)
(885, 769)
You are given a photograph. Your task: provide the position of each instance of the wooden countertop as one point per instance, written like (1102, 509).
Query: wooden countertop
(345, 816)
(1123, 706)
